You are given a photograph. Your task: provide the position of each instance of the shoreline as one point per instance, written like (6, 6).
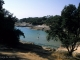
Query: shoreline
(36, 27)
(42, 45)
(40, 27)
(57, 49)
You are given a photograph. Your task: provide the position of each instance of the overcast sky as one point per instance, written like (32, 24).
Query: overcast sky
(37, 8)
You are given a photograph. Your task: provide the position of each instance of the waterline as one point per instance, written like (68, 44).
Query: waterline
(37, 37)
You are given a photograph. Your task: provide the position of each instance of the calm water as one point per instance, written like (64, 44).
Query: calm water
(37, 37)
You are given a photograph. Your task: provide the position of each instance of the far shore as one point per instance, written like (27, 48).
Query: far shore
(41, 27)
(36, 27)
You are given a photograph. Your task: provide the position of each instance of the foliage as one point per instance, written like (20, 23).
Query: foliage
(37, 20)
(9, 35)
(66, 28)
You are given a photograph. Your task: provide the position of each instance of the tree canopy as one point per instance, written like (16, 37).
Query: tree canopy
(9, 35)
(38, 20)
(66, 28)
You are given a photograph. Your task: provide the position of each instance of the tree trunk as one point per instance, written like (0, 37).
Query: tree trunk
(70, 53)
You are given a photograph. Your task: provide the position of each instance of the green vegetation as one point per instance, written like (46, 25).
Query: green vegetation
(35, 20)
(66, 28)
(9, 35)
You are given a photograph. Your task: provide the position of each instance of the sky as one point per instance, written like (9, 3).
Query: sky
(37, 8)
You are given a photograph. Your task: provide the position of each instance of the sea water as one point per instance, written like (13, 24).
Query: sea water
(37, 37)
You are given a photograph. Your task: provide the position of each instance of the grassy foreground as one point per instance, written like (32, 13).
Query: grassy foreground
(34, 52)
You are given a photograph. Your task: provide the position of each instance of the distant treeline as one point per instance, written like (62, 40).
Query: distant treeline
(40, 20)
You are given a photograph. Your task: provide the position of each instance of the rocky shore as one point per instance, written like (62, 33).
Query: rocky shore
(36, 27)
(40, 27)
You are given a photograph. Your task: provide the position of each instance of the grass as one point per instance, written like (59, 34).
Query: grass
(32, 51)
(63, 55)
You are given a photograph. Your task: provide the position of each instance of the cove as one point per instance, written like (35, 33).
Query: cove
(37, 37)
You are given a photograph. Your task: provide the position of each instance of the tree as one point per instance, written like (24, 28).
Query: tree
(9, 35)
(67, 28)
(49, 20)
